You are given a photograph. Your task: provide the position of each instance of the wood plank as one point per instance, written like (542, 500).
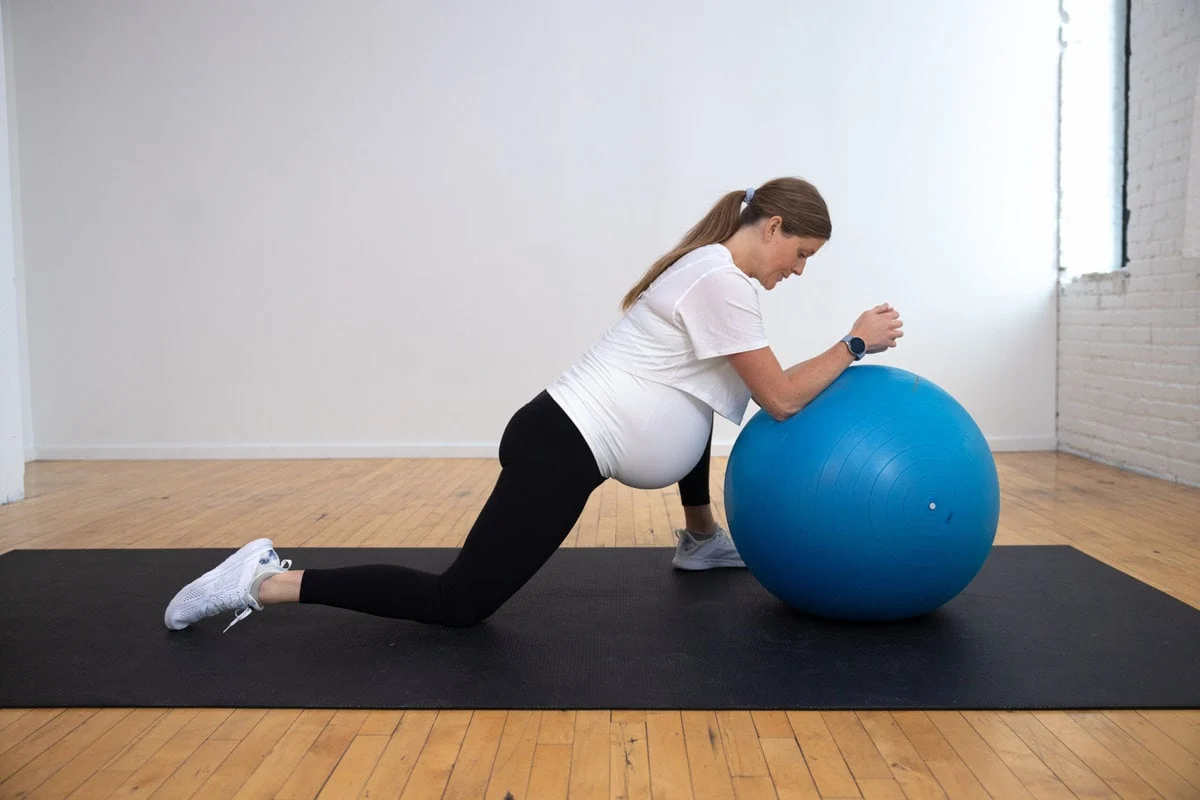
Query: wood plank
(951, 771)
(272, 773)
(905, 764)
(83, 766)
(753, 788)
(473, 766)
(1055, 754)
(433, 767)
(988, 767)
(590, 753)
(706, 755)
(10, 715)
(1154, 741)
(670, 776)
(880, 789)
(825, 762)
(551, 772)
(856, 747)
(629, 766)
(318, 763)
(1148, 766)
(381, 723)
(355, 767)
(789, 770)
(514, 755)
(168, 759)
(1176, 726)
(41, 767)
(772, 724)
(1038, 779)
(629, 716)
(740, 740)
(395, 764)
(42, 737)
(248, 754)
(557, 727)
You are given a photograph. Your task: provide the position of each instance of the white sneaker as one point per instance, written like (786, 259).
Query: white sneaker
(715, 551)
(231, 586)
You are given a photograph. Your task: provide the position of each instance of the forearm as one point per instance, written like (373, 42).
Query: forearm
(809, 378)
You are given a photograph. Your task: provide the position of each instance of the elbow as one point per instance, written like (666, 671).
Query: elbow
(781, 410)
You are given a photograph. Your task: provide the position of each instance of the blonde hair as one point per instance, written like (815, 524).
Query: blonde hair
(797, 201)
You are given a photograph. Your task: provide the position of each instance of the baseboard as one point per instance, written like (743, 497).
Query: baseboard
(367, 451)
(1125, 466)
(1022, 444)
(264, 452)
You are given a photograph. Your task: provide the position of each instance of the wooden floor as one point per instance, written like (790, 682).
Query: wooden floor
(1145, 527)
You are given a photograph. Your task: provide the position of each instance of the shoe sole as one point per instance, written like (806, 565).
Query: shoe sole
(702, 565)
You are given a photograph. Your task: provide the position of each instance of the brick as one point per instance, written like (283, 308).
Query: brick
(1183, 318)
(1184, 472)
(1177, 336)
(1181, 431)
(1135, 335)
(1184, 354)
(1182, 282)
(1171, 411)
(1132, 456)
(1136, 300)
(1182, 451)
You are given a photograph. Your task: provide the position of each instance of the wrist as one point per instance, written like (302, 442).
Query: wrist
(855, 345)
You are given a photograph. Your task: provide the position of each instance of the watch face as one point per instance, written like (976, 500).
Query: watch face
(858, 346)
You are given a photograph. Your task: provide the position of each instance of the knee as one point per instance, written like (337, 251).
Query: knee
(460, 609)
(463, 615)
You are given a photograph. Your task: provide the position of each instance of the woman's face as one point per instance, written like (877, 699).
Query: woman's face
(785, 255)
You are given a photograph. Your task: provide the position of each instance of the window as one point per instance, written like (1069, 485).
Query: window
(1093, 124)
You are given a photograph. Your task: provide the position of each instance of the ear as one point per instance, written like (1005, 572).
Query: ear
(773, 226)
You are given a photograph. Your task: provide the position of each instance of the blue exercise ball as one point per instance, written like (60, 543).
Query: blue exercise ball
(878, 501)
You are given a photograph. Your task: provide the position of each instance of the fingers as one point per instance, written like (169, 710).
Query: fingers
(889, 320)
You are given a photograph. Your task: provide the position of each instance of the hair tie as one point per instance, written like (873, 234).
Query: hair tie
(749, 196)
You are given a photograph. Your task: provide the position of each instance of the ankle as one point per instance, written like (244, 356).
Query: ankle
(281, 588)
(699, 519)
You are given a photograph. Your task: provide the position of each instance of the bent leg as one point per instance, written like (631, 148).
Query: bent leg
(548, 474)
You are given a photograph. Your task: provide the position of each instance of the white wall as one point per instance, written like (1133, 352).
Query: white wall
(12, 440)
(1129, 377)
(316, 228)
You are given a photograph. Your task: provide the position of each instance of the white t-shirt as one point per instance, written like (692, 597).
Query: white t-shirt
(643, 395)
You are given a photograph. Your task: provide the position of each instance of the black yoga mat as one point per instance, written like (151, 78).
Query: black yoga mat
(1041, 627)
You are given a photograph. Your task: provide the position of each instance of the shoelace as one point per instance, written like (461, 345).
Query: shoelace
(231, 597)
(241, 615)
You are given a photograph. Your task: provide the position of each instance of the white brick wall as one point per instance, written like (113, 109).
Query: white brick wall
(1129, 341)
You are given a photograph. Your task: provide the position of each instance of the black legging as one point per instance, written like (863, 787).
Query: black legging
(548, 473)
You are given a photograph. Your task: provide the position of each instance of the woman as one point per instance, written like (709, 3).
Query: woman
(637, 407)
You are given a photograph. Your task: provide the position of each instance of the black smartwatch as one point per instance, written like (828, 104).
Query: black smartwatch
(858, 348)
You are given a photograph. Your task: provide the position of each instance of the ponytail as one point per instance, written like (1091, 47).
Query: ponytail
(721, 222)
(796, 201)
